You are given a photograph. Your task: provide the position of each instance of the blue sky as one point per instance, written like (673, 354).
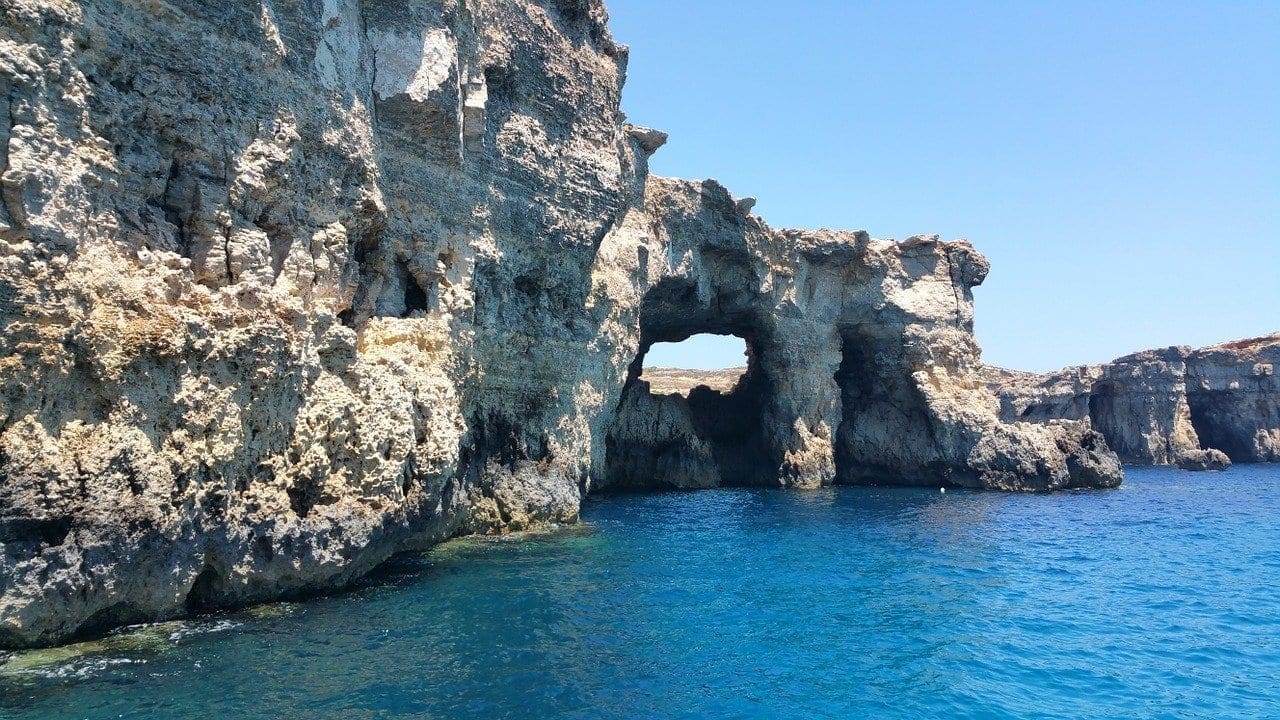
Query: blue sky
(1118, 163)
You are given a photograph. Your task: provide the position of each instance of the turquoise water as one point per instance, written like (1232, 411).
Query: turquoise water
(1155, 600)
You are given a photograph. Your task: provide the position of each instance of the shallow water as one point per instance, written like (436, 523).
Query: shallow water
(1155, 600)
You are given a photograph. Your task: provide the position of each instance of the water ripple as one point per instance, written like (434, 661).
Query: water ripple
(1155, 601)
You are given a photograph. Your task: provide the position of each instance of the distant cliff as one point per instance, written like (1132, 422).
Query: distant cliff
(1201, 409)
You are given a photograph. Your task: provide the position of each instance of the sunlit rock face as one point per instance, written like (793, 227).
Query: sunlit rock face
(1199, 409)
(290, 287)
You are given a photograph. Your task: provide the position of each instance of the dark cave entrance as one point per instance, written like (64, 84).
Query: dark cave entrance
(1214, 416)
(1103, 410)
(885, 435)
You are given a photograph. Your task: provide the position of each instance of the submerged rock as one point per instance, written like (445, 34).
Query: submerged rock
(1204, 460)
(1197, 409)
(288, 288)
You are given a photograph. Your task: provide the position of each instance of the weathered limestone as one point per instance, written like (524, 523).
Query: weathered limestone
(287, 288)
(1199, 409)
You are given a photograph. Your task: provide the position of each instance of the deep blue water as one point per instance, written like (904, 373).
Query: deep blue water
(1155, 600)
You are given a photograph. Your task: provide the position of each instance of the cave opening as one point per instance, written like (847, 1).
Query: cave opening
(880, 412)
(1214, 421)
(416, 299)
(715, 361)
(1103, 409)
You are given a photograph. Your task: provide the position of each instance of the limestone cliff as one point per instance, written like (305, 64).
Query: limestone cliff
(289, 287)
(1201, 409)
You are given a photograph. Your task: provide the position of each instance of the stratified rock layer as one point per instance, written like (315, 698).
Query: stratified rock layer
(287, 288)
(1199, 409)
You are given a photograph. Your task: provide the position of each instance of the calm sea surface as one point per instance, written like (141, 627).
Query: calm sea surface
(1157, 600)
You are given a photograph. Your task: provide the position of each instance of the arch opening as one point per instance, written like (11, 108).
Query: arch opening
(670, 437)
(696, 431)
(715, 361)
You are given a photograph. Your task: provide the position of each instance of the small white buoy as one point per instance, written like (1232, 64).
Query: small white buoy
(942, 490)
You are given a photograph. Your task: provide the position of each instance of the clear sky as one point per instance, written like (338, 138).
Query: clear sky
(1118, 162)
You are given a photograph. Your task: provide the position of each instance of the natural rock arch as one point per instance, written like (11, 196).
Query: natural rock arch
(862, 365)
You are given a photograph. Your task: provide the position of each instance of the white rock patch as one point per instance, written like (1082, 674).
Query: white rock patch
(413, 65)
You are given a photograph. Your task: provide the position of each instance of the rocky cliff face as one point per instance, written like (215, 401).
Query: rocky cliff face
(1201, 409)
(290, 287)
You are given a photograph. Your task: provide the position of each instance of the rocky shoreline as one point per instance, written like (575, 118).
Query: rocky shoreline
(290, 288)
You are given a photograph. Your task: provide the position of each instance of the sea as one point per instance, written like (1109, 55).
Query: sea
(1160, 599)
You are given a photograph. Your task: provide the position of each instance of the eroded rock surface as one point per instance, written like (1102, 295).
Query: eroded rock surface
(1199, 409)
(287, 288)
